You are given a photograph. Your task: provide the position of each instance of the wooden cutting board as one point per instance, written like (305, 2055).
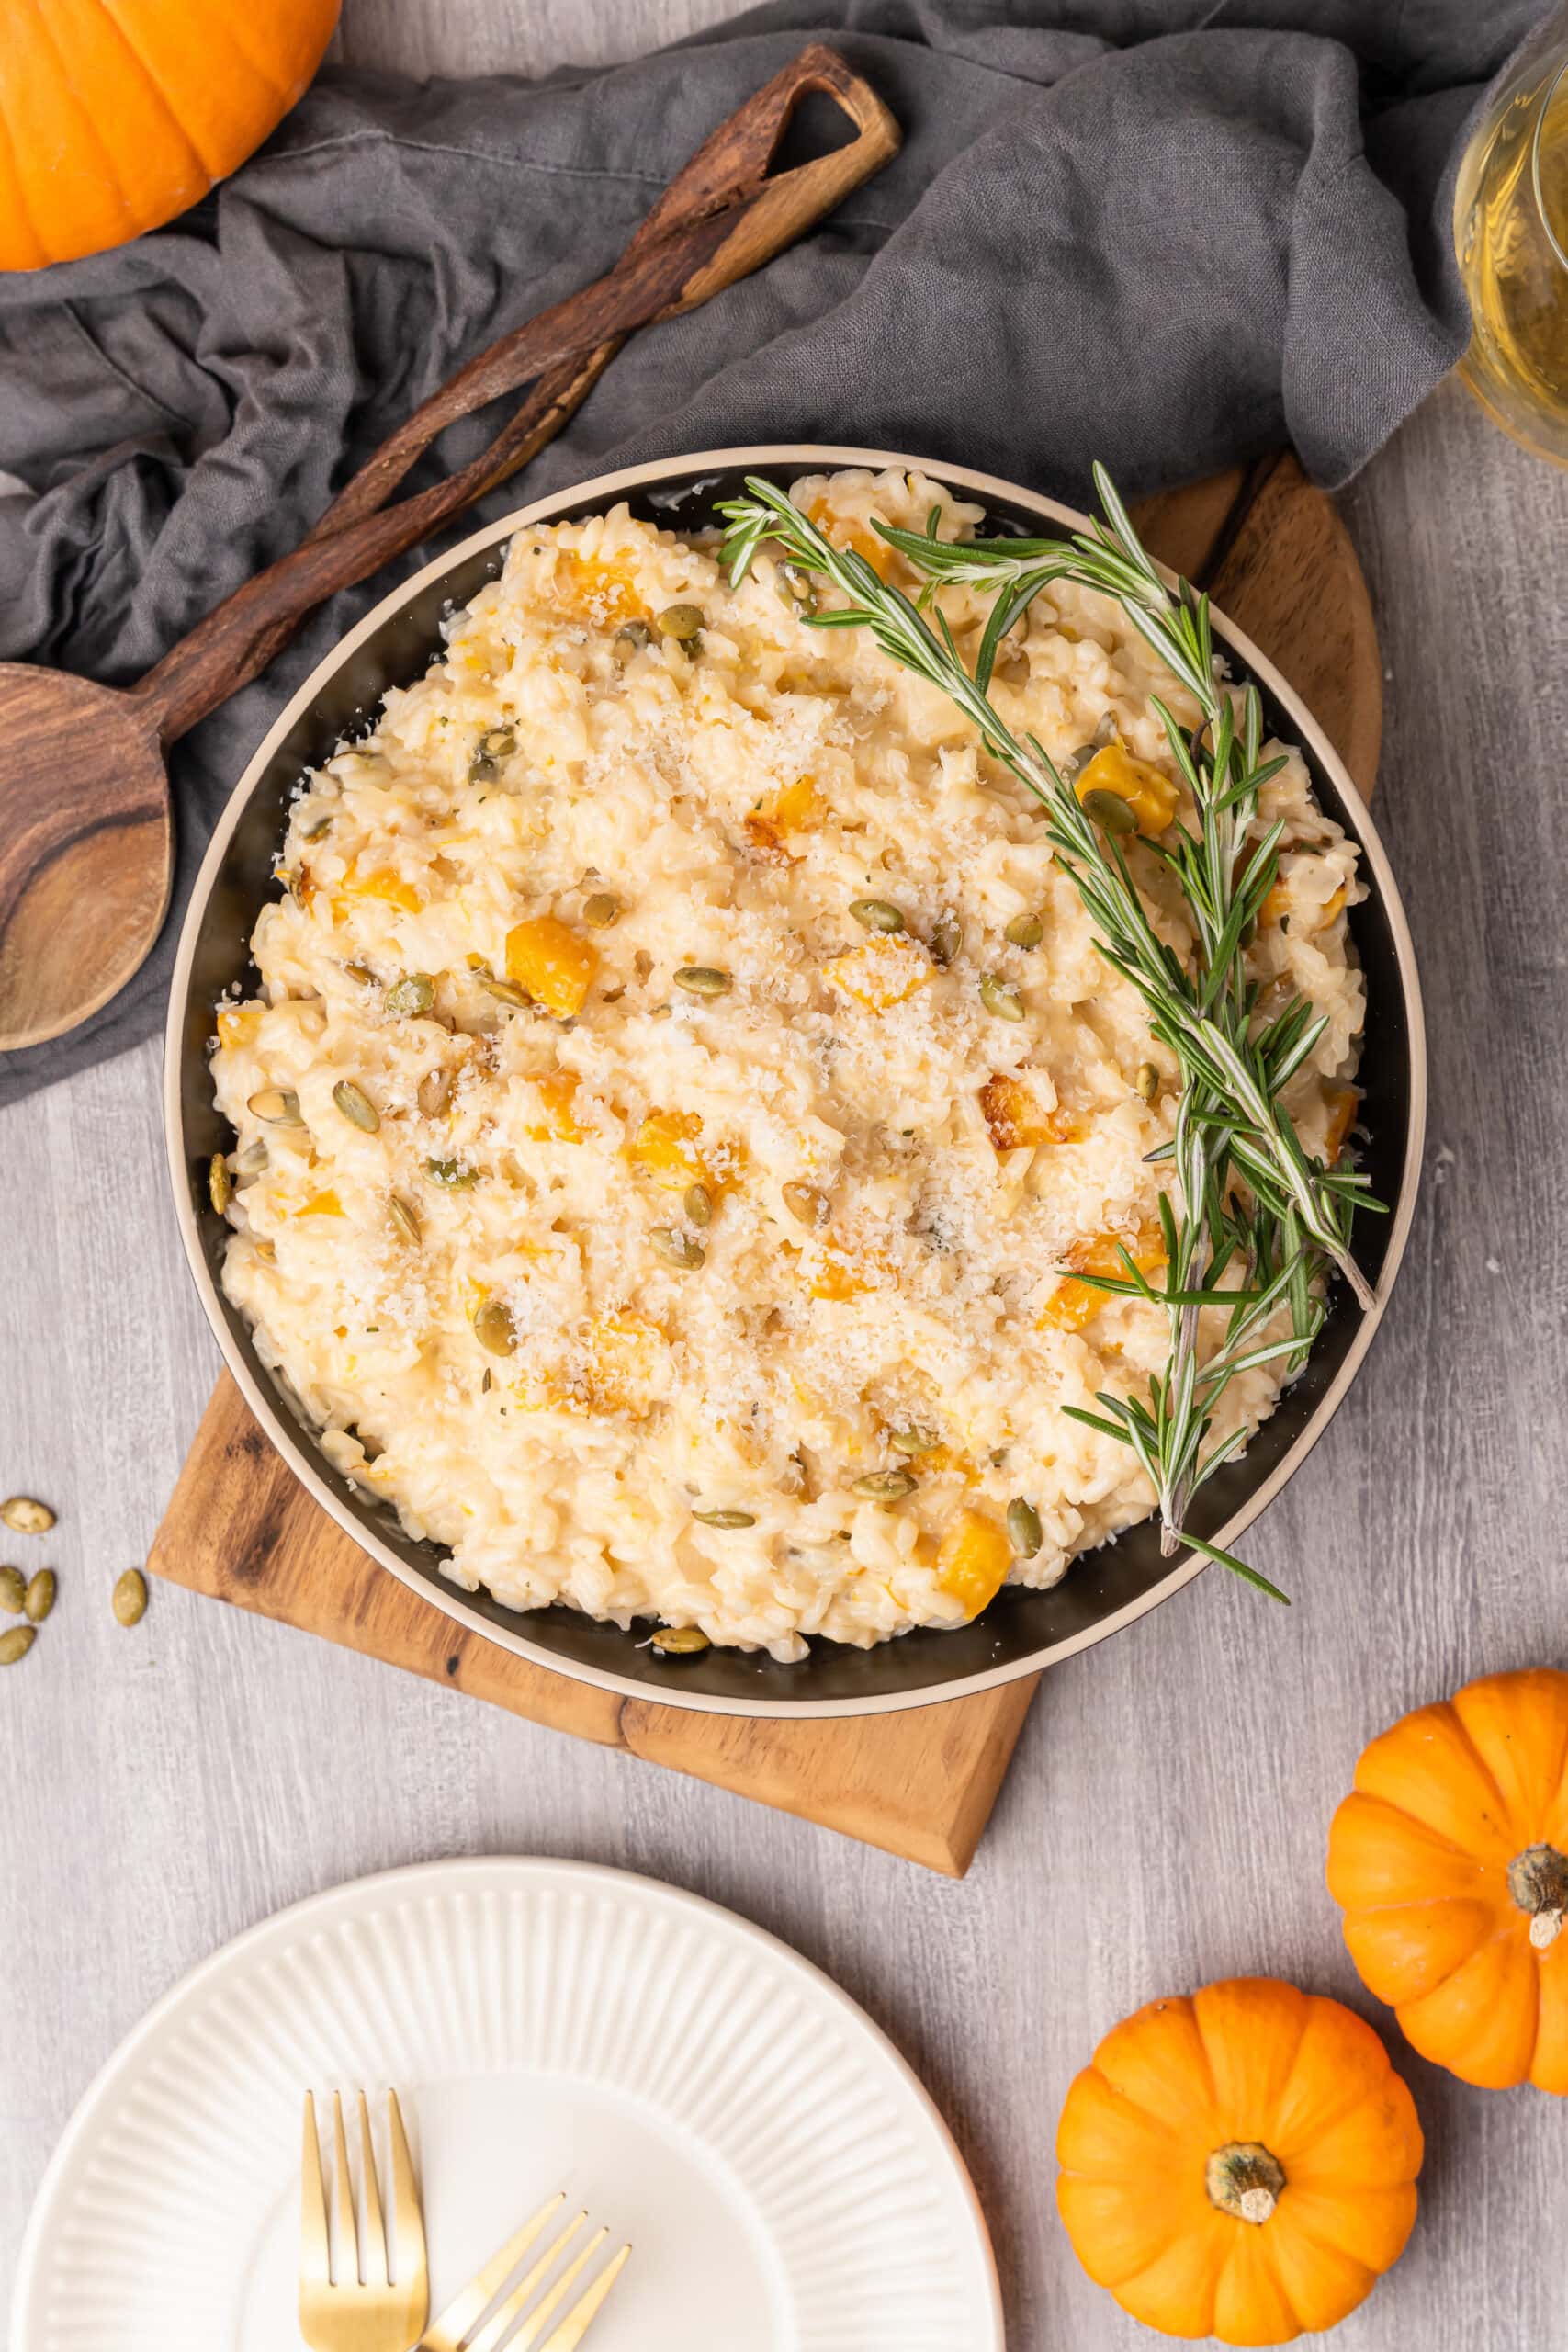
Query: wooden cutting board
(920, 1783)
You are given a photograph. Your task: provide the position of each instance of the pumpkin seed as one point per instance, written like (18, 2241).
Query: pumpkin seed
(999, 996)
(363, 973)
(405, 1219)
(129, 1597)
(253, 1161)
(13, 1591)
(725, 1518)
(356, 1106)
(25, 1516)
(697, 1202)
(678, 1249)
(1024, 931)
(681, 1641)
(702, 979)
(219, 1191)
(682, 622)
(313, 833)
(415, 992)
(601, 910)
(504, 991)
(278, 1106)
(632, 636)
(1110, 813)
(876, 914)
(793, 588)
(1024, 1531)
(884, 1486)
(451, 1174)
(17, 1643)
(497, 744)
(947, 938)
(807, 1205)
(494, 1329)
(436, 1092)
(38, 1598)
(913, 1441)
(1146, 1080)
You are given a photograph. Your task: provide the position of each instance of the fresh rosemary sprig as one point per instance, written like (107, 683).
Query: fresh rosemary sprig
(1230, 1121)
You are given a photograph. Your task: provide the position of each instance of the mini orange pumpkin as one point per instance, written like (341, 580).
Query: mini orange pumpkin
(1450, 1863)
(1241, 2163)
(121, 113)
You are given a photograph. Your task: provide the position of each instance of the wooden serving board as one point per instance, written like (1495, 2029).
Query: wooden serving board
(920, 1783)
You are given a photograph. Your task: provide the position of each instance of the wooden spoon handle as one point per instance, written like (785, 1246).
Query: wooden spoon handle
(721, 218)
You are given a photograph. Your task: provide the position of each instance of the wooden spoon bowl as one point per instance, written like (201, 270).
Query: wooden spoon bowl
(86, 838)
(88, 856)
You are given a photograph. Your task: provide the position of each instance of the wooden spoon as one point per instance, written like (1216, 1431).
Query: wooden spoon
(87, 837)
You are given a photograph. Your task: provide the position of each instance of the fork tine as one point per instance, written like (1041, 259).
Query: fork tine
(461, 2312)
(405, 2202)
(492, 2334)
(577, 2321)
(315, 2254)
(374, 2230)
(343, 2199)
(534, 2325)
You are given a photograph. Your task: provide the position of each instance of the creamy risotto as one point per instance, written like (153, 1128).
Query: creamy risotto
(684, 1094)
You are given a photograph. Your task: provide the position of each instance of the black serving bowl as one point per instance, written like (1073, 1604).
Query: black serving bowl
(1021, 1631)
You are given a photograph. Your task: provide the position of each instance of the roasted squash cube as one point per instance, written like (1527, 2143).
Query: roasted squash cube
(884, 972)
(1148, 791)
(1073, 1304)
(666, 1148)
(556, 1122)
(553, 963)
(972, 1560)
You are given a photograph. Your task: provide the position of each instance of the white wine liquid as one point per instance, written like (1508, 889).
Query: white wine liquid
(1511, 233)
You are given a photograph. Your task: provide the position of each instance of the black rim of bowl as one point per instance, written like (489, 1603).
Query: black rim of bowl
(1022, 1631)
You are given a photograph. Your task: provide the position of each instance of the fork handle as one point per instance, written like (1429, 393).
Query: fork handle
(721, 218)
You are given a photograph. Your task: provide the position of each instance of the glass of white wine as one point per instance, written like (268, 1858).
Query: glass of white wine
(1511, 234)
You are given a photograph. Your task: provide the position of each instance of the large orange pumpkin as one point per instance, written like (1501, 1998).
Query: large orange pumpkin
(117, 113)
(1241, 2165)
(1450, 1862)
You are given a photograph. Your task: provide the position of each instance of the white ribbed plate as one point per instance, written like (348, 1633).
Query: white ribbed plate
(785, 2181)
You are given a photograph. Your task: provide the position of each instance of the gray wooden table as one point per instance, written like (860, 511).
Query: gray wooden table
(1166, 1818)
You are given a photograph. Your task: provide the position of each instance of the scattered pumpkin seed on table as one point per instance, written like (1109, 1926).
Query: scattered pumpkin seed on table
(129, 1597)
(38, 1598)
(681, 1641)
(16, 1644)
(25, 1515)
(13, 1591)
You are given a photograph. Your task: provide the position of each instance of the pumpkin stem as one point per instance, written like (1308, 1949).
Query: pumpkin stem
(1538, 1881)
(1245, 2180)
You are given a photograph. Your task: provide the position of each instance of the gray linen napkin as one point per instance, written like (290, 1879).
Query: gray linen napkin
(1169, 235)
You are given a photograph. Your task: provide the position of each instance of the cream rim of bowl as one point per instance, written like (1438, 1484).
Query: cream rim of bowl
(300, 1451)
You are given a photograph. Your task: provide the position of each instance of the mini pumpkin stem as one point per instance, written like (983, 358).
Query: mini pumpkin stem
(1538, 1881)
(1245, 2180)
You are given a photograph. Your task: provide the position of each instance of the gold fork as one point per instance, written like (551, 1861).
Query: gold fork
(365, 2311)
(453, 2332)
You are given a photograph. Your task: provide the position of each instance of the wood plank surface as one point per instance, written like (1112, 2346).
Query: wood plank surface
(1165, 1817)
